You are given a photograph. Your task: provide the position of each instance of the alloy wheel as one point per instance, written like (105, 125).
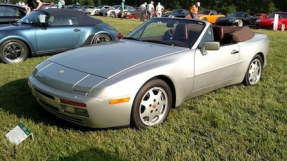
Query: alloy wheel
(153, 106)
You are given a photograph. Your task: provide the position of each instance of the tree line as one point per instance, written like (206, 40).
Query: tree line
(223, 6)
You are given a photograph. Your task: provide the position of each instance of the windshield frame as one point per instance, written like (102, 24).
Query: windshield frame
(141, 29)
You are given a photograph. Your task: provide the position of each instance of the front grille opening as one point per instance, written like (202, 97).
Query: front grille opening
(56, 112)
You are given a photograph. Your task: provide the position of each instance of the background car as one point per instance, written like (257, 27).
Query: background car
(11, 13)
(103, 11)
(182, 13)
(51, 31)
(237, 19)
(96, 11)
(134, 14)
(90, 9)
(136, 81)
(269, 21)
(113, 11)
(209, 15)
(261, 15)
(117, 11)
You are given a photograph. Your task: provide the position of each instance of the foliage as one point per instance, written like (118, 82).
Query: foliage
(233, 123)
(223, 6)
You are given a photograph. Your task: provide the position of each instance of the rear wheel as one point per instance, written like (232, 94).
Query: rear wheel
(152, 104)
(100, 38)
(254, 71)
(13, 51)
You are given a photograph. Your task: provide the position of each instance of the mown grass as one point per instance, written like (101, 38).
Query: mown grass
(234, 123)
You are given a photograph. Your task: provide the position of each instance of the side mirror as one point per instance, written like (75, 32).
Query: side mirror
(211, 46)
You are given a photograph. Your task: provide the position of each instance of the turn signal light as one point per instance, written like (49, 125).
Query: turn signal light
(118, 101)
(120, 36)
(73, 103)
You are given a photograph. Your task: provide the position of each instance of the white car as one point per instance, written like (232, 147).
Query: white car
(104, 10)
(116, 10)
(88, 10)
(96, 10)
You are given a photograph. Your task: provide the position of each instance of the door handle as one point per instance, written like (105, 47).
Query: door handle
(77, 30)
(234, 52)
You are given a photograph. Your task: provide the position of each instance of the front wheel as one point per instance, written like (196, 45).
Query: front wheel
(100, 38)
(152, 104)
(13, 51)
(254, 71)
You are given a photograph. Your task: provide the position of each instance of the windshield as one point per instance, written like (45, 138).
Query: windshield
(177, 32)
(33, 17)
(281, 15)
(237, 14)
(178, 11)
(204, 12)
(116, 6)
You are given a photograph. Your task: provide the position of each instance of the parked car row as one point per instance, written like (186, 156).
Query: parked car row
(259, 20)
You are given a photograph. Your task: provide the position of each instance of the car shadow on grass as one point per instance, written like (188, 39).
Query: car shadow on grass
(16, 98)
(91, 155)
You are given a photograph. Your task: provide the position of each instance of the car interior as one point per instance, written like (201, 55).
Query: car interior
(185, 34)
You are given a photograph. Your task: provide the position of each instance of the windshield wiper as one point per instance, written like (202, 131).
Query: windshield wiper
(158, 42)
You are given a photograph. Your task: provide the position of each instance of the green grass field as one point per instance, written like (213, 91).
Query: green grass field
(234, 123)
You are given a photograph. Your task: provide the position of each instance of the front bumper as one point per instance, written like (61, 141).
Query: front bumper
(97, 113)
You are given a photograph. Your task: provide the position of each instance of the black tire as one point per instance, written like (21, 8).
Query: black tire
(138, 108)
(100, 38)
(247, 79)
(13, 51)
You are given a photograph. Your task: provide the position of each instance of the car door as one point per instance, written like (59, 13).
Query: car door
(61, 33)
(215, 68)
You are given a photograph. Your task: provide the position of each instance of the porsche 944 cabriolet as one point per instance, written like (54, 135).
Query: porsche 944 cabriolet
(137, 80)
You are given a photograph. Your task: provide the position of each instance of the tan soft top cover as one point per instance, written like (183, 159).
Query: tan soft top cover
(230, 34)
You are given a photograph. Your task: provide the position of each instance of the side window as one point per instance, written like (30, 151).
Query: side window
(208, 37)
(9, 11)
(62, 21)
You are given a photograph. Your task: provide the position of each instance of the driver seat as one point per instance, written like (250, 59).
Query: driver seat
(180, 33)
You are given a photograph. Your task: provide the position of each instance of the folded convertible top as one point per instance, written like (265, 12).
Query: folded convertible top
(230, 34)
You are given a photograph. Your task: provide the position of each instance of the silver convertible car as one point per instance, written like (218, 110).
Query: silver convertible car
(137, 80)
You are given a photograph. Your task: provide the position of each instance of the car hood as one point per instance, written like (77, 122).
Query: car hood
(8, 27)
(109, 59)
(267, 21)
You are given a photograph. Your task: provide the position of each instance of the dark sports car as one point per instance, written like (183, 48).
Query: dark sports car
(51, 31)
(182, 13)
(11, 13)
(237, 19)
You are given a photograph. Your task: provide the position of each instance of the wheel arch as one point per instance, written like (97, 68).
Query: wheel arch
(22, 40)
(262, 57)
(170, 83)
(90, 38)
